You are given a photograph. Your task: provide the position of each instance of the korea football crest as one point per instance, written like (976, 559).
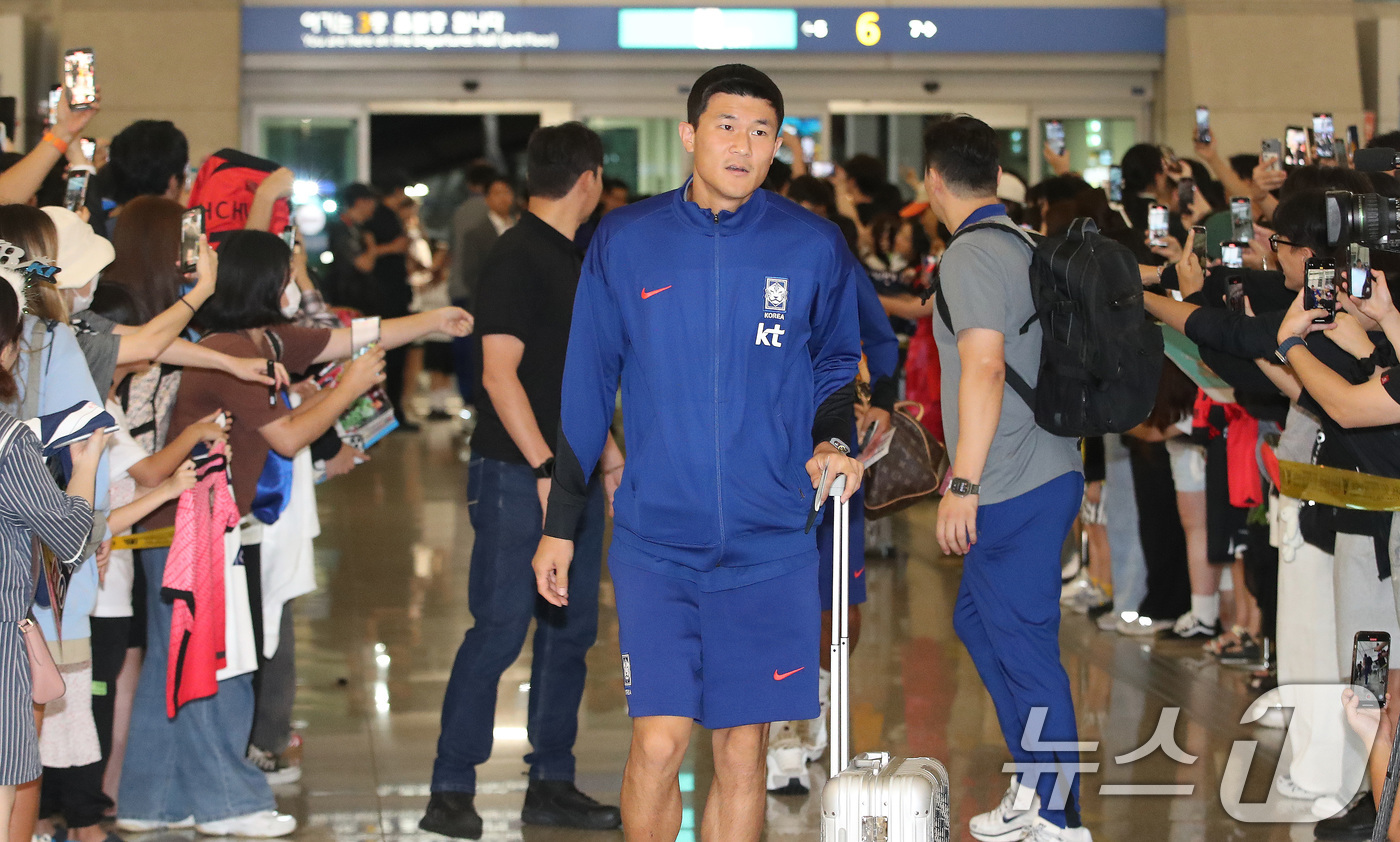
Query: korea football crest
(775, 295)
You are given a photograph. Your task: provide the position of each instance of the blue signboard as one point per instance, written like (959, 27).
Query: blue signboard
(597, 29)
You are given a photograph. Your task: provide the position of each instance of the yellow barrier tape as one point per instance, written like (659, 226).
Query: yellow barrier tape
(145, 540)
(1336, 487)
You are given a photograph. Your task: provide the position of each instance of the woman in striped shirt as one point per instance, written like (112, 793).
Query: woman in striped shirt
(31, 505)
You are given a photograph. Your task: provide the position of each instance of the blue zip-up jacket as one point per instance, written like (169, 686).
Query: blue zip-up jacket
(728, 332)
(878, 341)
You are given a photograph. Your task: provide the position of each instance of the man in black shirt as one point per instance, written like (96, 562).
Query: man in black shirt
(524, 309)
(392, 294)
(349, 283)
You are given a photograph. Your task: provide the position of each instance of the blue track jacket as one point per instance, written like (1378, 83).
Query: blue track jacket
(727, 333)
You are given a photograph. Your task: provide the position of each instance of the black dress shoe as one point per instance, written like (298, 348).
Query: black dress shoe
(1355, 823)
(452, 814)
(561, 804)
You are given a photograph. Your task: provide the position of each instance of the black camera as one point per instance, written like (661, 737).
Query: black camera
(1368, 219)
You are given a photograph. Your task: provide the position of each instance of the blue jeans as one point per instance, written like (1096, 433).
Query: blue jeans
(195, 764)
(1008, 617)
(1124, 542)
(505, 512)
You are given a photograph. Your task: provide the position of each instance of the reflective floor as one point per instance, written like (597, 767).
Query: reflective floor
(376, 643)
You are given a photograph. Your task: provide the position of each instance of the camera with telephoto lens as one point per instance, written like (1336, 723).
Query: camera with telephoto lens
(1368, 219)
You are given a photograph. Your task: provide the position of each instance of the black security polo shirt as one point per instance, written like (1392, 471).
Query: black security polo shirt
(526, 290)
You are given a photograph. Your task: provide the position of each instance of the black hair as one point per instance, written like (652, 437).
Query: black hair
(965, 152)
(1140, 164)
(1389, 140)
(868, 173)
(1244, 165)
(557, 156)
(481, 175)
(116, 303)
(1385, 184)
(1301, 219)
(1314, 177)
(779, 176)
(143, 158)
(53, 189)
(355, 192)
(813, 191)
(10, 330)
(253, 267)
(734, 79)
(610, 184)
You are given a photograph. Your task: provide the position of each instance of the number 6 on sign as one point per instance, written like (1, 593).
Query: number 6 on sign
(868, 28)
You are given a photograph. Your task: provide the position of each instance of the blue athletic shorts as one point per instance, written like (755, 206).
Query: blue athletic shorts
(742, 656)
(857, 541)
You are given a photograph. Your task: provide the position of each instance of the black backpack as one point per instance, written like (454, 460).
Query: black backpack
(1100, 357)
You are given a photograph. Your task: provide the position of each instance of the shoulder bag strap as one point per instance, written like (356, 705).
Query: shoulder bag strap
(1014, 379)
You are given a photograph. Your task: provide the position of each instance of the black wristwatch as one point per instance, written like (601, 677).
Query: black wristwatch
(960, 487)
(545, 470)
(1287, 345)
(839, 445)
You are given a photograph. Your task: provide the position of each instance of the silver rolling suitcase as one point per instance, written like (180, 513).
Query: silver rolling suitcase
(877, 798)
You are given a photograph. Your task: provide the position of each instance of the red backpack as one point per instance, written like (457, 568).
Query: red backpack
(225, 186)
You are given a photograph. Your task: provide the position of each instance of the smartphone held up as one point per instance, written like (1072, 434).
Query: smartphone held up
(1370, 666)
(80, 78)
(1320, 290)
(191, 229)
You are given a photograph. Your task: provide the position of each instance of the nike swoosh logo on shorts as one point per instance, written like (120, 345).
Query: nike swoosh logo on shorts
(648, 294)
(779, 676)
(860, 572)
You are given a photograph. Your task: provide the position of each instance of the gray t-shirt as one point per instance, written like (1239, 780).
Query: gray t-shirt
(985, 282)
(100, 346)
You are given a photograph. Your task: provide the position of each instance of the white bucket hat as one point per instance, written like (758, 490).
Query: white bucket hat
(82, 253)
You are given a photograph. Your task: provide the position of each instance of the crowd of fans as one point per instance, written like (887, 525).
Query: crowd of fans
(220, 365)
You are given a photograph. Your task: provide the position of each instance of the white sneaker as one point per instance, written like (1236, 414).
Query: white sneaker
(1289, 788)
(1107, 621)
(267, 824)
(143, 826)
(815, 736)
(1137, 625)
(1085, 597)
(1006, 822)
(787, 761)
(1071, 589)
(1046, 831)
(278, 770)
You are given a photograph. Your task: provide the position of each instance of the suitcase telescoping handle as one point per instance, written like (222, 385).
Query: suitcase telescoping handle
(840, 628)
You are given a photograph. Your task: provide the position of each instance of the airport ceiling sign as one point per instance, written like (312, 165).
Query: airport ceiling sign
(601, 29)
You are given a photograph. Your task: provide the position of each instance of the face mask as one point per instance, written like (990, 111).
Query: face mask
(80, 301)
(292, 294)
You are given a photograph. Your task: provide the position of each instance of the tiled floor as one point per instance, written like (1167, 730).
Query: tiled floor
(375, 645)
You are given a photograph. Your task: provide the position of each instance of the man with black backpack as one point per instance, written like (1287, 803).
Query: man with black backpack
(1015, 487)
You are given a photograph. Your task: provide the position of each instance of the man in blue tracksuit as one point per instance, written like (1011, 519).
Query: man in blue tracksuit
(729, 315)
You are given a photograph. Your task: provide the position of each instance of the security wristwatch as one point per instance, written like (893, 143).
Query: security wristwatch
(839, 445)
(545, 469)
(960, 487)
